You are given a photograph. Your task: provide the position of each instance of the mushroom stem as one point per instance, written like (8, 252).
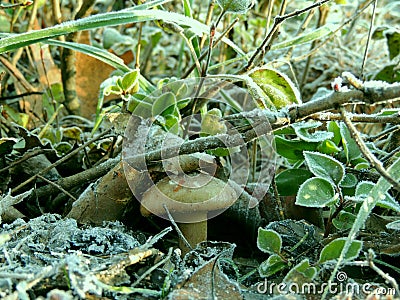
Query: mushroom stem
(194, 234)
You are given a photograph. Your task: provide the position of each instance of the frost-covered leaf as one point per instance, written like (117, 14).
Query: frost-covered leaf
(385, 201)
(301, 273)
(293, 149)
(289, 181)
(271, 266)
(235, 6)
(269, 241)
(349, 181)
(302, 131)
(333, 250)
(324, 166)
(277, 87)
(344, 221)
(350, 147)
(394, 225)
(315, 192)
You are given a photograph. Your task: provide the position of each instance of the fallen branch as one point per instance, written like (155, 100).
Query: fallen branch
(277, 120)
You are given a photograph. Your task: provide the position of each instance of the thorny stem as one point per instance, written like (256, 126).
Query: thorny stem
(366, 152)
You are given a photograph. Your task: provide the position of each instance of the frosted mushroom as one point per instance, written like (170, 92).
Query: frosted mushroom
(190, 203)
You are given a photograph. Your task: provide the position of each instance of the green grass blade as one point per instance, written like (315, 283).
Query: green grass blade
(15, 41)
(103, 56)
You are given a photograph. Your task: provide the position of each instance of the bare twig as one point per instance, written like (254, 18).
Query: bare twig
(27, 156)
(360, 118)
(57, 186)
(60, 161)
(215, 43)
(385, 276)
(366, 152)
(180, 234)
(277, 120)
(272, 33)
(371, 26)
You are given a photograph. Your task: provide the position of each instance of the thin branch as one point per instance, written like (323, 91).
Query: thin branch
(371, 26)
(63, 159)
(180, 234)
(272, 33)
(359, 118)
(215, 43)
(277, 120)
(366, 152)
(57, 186)
(385, 276)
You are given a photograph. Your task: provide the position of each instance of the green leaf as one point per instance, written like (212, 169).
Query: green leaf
(271, 266)
(313, 35)
(350, 147)
(130, 81)
(324, 166)
(302, 131)
(289, 181)
(277, 87)
(235, 6)
(328, 147)
(393, 43)
(385, 201)
(293, 149)
(165, 104)
(301, 273)
(349, 181)
(335, 129)
(269, 241)
(333, 250)
(315, 192)
(344, 221)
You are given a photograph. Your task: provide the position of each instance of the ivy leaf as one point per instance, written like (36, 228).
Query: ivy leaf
(315, 192)
(269, 241)
(333, 250)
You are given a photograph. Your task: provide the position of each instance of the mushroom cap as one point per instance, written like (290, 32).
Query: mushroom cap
(189, 201)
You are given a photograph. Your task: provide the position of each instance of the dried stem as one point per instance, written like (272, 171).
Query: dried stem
(366, 152)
